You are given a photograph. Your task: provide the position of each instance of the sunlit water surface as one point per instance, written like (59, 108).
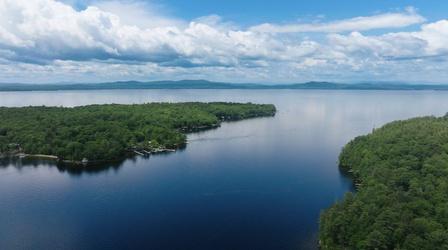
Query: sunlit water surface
(253, 184)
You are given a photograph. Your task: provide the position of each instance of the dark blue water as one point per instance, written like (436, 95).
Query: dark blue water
(254, 184)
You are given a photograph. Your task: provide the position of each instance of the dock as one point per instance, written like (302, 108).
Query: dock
(139, 153)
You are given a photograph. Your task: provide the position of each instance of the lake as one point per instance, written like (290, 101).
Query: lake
(252, 184)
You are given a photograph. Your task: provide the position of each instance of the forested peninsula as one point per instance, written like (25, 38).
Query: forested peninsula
(99, 133)
(401, 171)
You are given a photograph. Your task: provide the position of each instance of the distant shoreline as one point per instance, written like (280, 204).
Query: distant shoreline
(202, 84)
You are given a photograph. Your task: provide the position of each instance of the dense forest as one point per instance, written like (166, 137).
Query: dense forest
(401, 171)
(108, 132)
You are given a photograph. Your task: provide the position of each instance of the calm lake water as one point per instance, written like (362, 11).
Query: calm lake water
(253, 184)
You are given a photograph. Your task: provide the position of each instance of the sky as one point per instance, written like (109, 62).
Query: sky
(271, 41)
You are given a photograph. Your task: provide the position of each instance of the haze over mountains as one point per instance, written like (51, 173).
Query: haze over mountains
(203, 84)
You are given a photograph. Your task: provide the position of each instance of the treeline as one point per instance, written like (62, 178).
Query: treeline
(108, 132)
(402, 200)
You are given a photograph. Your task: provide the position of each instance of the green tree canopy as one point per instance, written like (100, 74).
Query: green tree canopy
(402, 199)
(108, 132)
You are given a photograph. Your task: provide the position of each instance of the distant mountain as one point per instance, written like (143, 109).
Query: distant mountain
(203, 84)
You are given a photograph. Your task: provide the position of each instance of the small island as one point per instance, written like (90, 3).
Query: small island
(401, 174)
(95, 134)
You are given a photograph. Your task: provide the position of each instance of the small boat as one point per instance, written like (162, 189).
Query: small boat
(85, 161)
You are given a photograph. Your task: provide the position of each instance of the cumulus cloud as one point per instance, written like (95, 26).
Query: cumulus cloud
(431, 41)
(45, 30)
(114, 40)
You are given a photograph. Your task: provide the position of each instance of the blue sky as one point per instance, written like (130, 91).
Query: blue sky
(235, 41)
(251, 12)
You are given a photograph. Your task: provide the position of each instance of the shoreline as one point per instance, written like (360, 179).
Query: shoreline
(89, 163)
(131, 152)
(145, 148)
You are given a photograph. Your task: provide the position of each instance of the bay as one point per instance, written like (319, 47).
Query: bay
(253, 184)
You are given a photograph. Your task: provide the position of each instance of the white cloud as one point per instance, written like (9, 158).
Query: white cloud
(45, 30)
(436, 37)
(52, 41)
(430, 41)
(382, 21)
